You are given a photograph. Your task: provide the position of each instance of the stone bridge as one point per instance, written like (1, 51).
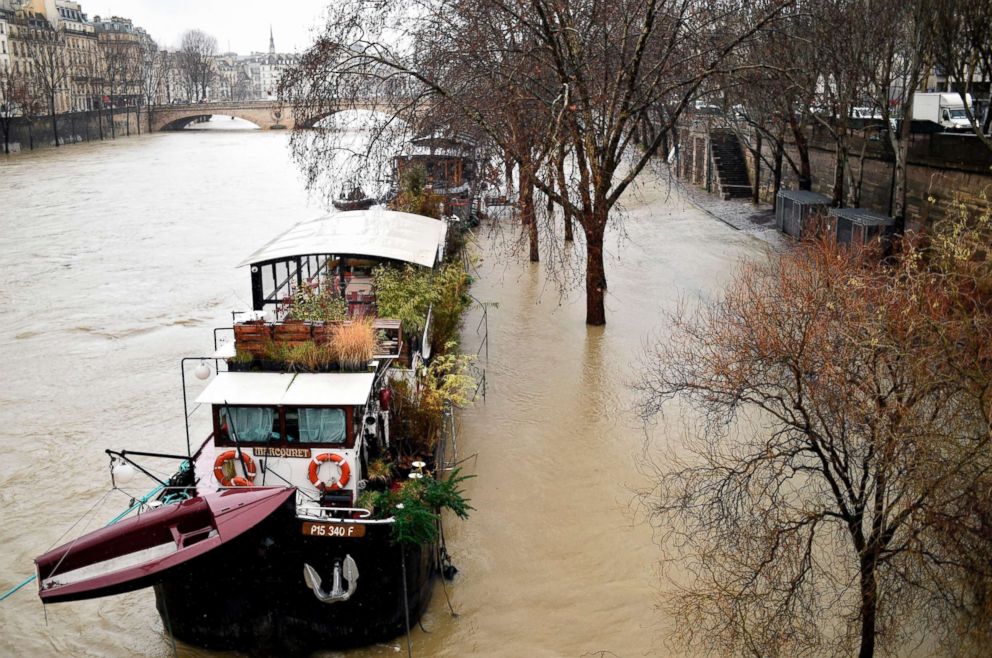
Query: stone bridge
(267, 115)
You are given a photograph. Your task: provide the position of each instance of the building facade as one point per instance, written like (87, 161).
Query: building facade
(110, 62)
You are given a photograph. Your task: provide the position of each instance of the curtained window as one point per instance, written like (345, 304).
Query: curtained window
(249, 424)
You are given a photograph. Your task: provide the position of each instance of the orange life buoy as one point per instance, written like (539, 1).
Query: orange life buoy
(249, 478)
(315, 466)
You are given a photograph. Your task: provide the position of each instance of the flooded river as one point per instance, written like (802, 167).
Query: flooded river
(117, 259)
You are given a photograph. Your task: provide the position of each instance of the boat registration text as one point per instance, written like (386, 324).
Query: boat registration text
(345, 530)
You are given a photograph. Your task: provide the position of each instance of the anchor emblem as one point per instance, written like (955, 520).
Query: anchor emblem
(348, 571)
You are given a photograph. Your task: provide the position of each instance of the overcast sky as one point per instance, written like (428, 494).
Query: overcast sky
(239, 25)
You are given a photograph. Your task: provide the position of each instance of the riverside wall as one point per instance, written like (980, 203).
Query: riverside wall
(943, 170)
(36, 133)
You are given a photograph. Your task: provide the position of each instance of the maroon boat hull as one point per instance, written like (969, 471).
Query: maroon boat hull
(139, 551)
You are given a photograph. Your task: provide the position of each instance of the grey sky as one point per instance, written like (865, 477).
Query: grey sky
(244, 24)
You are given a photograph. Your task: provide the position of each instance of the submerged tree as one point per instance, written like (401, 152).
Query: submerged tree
(844, 426)
(582, 74)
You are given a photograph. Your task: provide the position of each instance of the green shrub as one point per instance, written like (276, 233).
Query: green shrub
(419, 503)
(313, 303)
(407, 294)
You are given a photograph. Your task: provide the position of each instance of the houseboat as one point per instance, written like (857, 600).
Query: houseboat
(264, 539)
(450, 163)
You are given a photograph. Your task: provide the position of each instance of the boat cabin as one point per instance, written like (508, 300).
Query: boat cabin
(342, 250)
(284, 422)
(282, 419)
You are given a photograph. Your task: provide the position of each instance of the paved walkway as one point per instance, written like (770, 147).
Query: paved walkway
(738, 213)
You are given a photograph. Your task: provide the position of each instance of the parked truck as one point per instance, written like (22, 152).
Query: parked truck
(942, 108)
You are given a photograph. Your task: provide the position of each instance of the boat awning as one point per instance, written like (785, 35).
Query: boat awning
(246, 388)
(304, 389)
(336, 388)
(375, 232)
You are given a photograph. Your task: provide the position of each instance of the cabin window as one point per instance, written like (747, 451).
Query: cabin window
(249, 424)
(316, 425)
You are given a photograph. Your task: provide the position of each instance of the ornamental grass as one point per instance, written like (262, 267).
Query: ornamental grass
(354, 344)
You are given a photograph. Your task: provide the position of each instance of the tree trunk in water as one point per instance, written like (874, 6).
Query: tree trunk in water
(756, 191)
(508, 174)
(113, 125)
(869, 609)
(595, 271)
(55, 127)
(527, 211)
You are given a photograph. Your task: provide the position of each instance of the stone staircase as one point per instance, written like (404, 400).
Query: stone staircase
(728, 161)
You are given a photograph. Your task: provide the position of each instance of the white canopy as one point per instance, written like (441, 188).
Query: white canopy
(337, 388)
(273, 388)
(374, 232)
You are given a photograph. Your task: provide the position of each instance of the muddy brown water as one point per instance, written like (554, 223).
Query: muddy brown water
(117, 259)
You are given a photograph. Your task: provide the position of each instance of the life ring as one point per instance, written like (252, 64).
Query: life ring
(315, 466)
(238, 481)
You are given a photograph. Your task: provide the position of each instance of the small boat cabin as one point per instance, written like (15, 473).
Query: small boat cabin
(282, 413)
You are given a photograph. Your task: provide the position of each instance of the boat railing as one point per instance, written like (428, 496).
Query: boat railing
(311, 512)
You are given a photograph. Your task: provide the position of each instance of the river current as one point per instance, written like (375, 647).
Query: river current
(118, 258)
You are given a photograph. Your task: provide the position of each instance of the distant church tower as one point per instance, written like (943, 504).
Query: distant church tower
(272, 42)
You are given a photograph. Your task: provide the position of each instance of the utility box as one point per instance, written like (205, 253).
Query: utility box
(859, 226)
(793, 209)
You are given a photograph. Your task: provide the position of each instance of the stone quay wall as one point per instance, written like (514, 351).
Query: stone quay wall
(29, 134)
(943, 169)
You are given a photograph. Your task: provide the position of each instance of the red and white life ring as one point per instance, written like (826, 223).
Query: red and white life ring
(247, 481)
(340, 461)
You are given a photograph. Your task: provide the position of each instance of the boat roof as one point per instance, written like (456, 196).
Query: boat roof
(292, 389)
(374, 232)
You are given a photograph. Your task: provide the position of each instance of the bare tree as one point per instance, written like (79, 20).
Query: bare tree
(49, 68)
(963, 49)
(15, 98)
(588, 72)
(150, 71)
(769, 95)
(194, 62)
(118, 54)
(896, 68)
(844, 406)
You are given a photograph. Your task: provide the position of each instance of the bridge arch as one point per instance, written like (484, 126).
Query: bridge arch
(184, 122)
(267, 115)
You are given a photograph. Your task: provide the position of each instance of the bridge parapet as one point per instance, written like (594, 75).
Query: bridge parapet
(268, 115)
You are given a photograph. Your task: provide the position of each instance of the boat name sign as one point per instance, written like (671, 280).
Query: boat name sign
(335, 530)
(276, 451)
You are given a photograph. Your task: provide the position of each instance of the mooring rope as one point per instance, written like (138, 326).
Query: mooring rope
(143, 500)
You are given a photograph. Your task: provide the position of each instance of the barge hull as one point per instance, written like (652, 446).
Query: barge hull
(252, 596)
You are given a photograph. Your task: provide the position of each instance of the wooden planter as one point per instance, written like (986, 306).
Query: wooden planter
(252, 337)
(292, 332)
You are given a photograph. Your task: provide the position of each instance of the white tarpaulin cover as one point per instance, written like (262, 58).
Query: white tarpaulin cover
(375, 232)
(273, 388)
